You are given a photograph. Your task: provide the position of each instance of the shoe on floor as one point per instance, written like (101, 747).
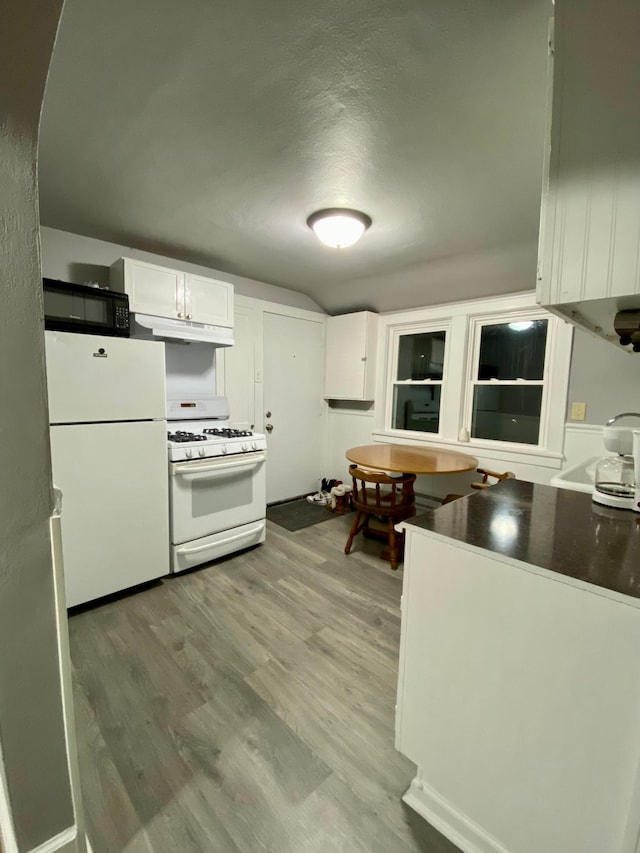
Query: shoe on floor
(320, 498)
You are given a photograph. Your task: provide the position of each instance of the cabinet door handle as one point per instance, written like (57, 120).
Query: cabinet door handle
(180, 314)
(188, 316)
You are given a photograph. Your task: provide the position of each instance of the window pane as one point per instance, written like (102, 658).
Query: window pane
(513, 353)
(416, 407)
(507, 413)
(421, 356)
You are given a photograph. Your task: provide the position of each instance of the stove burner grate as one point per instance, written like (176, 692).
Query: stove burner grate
(227, 433)
(181, 436)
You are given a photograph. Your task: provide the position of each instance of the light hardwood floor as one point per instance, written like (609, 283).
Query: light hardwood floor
(249, 706)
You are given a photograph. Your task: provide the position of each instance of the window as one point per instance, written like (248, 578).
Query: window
(417, 386)
(508, 380)
(489, 376)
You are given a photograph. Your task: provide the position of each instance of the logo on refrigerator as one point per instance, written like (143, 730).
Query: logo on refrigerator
(101, 353)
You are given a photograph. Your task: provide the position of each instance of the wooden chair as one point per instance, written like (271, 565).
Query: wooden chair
(484, 484)
(508, 475)
(392, 503)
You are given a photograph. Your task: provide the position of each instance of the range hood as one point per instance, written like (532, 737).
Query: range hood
(615, 318)
(165, 329)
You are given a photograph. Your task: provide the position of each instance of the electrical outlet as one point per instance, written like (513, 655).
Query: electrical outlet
(578, 411)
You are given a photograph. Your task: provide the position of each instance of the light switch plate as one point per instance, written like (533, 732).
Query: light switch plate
(578, 411)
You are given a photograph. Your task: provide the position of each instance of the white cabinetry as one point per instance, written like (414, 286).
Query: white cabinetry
(350, 364)
(518, 699)
(590, 226)
(164, 292)
(208, 301)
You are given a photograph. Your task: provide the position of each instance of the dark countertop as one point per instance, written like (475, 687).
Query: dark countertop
(556, 529)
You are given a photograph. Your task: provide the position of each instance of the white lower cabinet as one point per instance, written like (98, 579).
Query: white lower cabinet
(163, 292)
(519, 700)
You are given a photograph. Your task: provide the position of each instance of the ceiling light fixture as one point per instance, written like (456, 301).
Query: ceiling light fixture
(338, 227)
(521, 325)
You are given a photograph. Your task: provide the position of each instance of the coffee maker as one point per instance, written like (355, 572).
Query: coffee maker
(617, 480)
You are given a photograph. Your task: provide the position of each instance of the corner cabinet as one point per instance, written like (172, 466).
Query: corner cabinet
(164, 292)
(350, 364)
(589, 253)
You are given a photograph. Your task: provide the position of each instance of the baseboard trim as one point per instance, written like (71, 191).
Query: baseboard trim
(453, 824)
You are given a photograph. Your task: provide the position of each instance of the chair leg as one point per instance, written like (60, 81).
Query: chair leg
(354, 530)
(393, 549)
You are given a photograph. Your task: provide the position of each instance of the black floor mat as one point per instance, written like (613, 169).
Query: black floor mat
(298, 514)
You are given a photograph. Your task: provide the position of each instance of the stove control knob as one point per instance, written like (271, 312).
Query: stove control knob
(244, 447)
(254, 446)
(188, 453)
(224, 450)
(201, 451)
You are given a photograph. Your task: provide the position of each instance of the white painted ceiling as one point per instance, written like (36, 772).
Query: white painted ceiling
(208, 131)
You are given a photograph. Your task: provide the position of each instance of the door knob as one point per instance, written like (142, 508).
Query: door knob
(269, 427)
(267, 414)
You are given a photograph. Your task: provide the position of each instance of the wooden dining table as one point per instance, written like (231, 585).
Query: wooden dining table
(406, 459)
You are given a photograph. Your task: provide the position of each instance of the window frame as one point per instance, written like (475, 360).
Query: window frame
(460, 319)
(398, 332)
(476, 324)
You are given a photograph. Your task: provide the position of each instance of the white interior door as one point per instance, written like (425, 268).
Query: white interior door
(293, 388)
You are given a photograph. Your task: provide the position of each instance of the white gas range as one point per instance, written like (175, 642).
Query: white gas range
(217, 483)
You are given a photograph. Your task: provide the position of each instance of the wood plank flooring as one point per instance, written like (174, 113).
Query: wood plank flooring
(249, 707)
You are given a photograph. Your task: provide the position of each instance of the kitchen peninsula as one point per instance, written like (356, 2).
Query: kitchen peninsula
(519, 682)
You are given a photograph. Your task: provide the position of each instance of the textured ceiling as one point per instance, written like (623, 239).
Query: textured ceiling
(209, 131)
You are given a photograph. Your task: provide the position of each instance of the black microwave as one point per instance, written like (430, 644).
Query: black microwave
(85, 309)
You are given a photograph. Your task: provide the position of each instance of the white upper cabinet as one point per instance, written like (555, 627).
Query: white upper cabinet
(590, 224)
(164, 292)
(151, 289)
(350, 364)
(208, 301)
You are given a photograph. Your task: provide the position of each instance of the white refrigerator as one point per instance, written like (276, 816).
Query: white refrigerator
(109, 456)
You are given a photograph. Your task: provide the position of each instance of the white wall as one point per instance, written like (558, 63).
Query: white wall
(604, 377)
(78, 259)
(36, 801)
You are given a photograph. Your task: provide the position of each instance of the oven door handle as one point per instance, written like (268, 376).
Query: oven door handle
(185, 468)
(186, 551)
